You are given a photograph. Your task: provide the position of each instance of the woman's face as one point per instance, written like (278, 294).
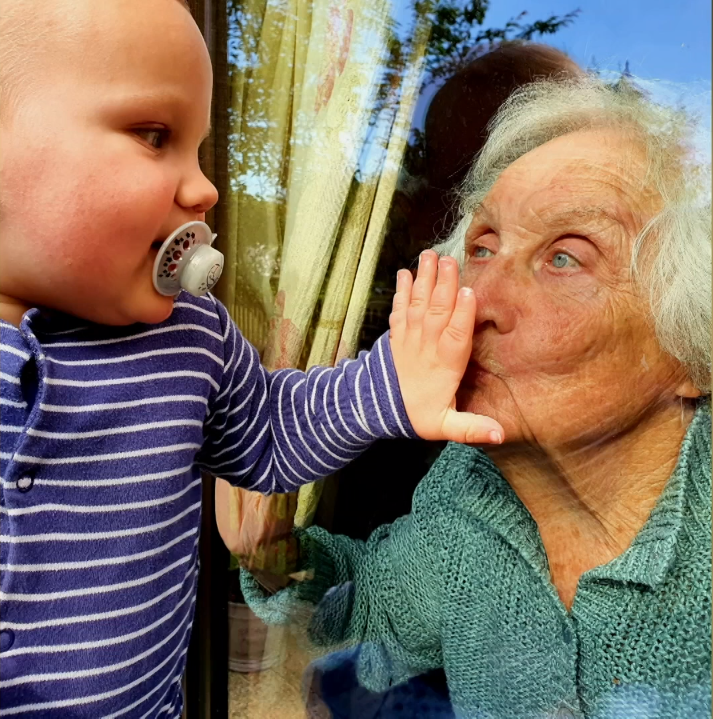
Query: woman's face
(564, 354)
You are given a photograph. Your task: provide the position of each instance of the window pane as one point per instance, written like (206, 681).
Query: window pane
(352, 130)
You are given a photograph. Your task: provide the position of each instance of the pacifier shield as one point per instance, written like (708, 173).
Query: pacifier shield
(192, 240)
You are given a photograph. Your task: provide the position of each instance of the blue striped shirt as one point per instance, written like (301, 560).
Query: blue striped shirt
(105, 431)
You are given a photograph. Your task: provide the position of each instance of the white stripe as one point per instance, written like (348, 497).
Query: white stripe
(345, 443)
(104, 695)
(284, 473)
(98, 671)
(229, 365)
(91, 483)
(138, 356)
(8, 326)
(90, 509)
(108, 642)
(246, 377)
(342, 460)
(104, 562)
(267, 471)
(98, 616)
(99, 589)
(106, 457)
(314, 389)
(237, 409)
(9, 378)
(148, 333)
(12, 428)
(360, 406)
(364, 442)
(189, 306)
(232, 447)
(384, 371)
(116, 430)
(150, 712)
(12, 350)
(12, 403)
(96, 536)
(305, 480)
(233, 411)
(132, 380)
(247, 433)
(374, 400)
(108, 406)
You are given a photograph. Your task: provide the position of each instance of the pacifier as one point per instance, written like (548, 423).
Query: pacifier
(186, 261)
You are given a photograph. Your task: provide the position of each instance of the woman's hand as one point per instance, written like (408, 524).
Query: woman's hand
(432, 324)
(257, 529)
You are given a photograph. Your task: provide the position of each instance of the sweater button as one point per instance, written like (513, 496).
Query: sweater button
(24, 484)
(7, 639)
(567, 634)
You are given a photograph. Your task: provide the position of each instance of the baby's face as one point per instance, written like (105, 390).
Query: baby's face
(100, 161)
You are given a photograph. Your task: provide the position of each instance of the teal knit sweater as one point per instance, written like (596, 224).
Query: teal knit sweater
(463, 583)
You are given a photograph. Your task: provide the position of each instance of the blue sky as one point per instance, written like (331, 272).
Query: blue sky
(666, 42)
(662, 39)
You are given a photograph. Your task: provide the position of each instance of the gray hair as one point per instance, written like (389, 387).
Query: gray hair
(671, 257)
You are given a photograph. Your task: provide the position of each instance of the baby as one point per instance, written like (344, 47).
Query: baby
(114, 396)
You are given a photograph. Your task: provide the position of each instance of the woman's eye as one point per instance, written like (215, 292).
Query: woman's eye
(562, 260)
(481, 251)
(156, 137)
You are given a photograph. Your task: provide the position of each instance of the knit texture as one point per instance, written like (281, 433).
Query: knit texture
(463, 583)
(105, 431)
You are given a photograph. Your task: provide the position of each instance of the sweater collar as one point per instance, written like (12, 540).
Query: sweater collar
(652, 552)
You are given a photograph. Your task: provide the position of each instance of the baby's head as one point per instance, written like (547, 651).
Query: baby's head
(103, 108)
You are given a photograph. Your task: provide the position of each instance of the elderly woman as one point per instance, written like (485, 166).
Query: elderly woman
(566, 572)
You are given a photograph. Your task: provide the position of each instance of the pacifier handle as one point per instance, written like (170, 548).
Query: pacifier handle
(186, 261)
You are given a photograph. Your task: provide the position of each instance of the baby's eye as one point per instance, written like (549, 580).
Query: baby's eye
(155, 136)
(562, 260)
(481, 251)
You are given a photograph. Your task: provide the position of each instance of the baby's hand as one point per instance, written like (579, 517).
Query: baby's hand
(431, 340)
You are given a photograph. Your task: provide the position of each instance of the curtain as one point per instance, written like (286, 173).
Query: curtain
(319, 120)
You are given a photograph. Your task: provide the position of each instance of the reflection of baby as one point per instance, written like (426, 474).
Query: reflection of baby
(114, 396)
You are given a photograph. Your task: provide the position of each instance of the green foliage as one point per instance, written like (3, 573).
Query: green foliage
(458, 35)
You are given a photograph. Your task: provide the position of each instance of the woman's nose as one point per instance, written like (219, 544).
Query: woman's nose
(498, 293)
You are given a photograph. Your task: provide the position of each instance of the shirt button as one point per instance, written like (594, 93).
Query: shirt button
(24, 484)
(7, 639)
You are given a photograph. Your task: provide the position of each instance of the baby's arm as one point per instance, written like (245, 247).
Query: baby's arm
(273, 432)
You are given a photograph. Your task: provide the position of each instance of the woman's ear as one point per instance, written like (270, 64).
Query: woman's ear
(688, 390)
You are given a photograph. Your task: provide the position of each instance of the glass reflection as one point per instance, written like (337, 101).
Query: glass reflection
(565, 573)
